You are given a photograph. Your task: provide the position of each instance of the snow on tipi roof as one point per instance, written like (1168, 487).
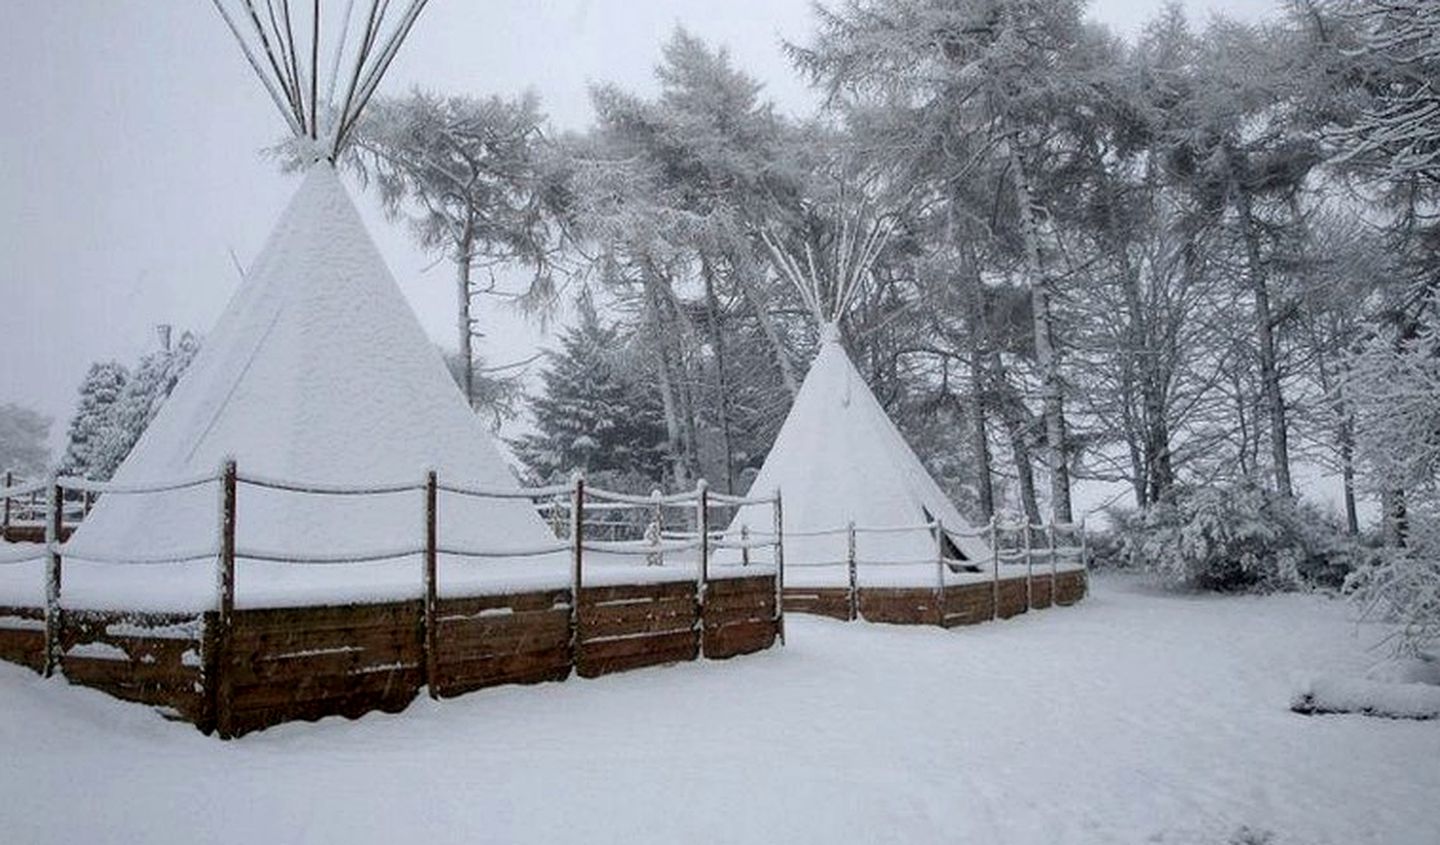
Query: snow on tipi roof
(317, 372)
(840, 459)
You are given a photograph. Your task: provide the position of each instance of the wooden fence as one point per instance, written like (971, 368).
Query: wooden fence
(1041, 583)
(234, 670)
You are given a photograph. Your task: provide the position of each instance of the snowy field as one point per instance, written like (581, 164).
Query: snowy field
(1133, 717)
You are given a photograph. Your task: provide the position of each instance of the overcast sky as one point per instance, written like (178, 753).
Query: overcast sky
(130, 171)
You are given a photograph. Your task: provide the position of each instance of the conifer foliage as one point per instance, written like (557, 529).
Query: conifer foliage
(596, 413)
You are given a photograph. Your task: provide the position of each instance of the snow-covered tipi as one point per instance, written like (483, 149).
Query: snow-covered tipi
(839, 457)
(318, 370)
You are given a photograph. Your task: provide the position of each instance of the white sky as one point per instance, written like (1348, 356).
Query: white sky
(129, 165)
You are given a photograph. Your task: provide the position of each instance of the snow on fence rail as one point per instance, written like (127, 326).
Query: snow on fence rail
(226, 552)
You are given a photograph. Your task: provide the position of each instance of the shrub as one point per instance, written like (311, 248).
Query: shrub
(1235, 537)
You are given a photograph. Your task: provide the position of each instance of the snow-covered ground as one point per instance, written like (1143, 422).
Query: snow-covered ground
(1133, 717)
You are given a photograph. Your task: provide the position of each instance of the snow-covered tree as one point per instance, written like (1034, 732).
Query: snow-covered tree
(23, 433)
(147, 388)
(596, 413)
(473, 178)
(90, 441)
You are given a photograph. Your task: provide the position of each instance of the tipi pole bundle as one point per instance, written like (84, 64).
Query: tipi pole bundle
(857, 245)
(266, 32)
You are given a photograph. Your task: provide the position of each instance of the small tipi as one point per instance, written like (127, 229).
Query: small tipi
(839, 457)
(318, 372)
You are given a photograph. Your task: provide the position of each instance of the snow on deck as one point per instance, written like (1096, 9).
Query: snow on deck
(191, 586)
(1132, 717)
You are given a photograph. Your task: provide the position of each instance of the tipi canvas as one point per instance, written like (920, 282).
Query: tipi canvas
(840, 459)
(317, 372)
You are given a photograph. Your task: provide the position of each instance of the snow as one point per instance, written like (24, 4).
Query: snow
(1395, 700)
(1135, 716)
(838, 459)
(190, 587)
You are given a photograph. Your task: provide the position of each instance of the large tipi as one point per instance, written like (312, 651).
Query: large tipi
(839, 458)
(319, 372)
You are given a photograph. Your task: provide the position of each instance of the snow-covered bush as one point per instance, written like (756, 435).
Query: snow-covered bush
(1233, 537)
(1401, 586)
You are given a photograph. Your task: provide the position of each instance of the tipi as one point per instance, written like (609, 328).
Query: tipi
(317, 372)
(838, 457)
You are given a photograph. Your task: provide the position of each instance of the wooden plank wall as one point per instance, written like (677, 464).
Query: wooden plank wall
(739, 616)
(899, 605)
(22, 636)
(833, 602)
(1040, 591)
(1070, 587)
(627, 627)
(963, 604)
(150, 658)
(512, 639)
(285, 664)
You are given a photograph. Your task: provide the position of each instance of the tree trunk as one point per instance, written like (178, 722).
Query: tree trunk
(1052, 389)
(654, 323)
(717, 338)
(1265, 341)
(463, 323)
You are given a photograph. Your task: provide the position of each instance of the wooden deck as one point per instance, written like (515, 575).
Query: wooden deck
(957, 604)
(303, 663)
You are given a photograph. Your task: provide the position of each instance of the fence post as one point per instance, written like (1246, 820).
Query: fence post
(744, 545)
(702, 521)
(995, 566)
(1084, 558)
(577, 561)
(940, 571)
(850, 572)
(54, 525)
(225, 600)
(429, 611)
(1054, 567)
(655, 533)
(779, 514)
(5, 523)
(1029, 569)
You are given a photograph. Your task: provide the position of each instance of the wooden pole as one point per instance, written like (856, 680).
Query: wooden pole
(779, 568)
(744, 545)
(89, 500)
(225, 600)
(702, 520)
(1084, 557)
(577, 561)
(54, 526)
(940, 571)
(850, 569)
(430, 610)
(995, 566)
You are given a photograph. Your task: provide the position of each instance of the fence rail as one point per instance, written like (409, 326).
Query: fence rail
(226, 552)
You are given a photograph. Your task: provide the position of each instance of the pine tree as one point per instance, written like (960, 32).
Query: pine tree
(595, 414)
(140, 400)
(89, 435)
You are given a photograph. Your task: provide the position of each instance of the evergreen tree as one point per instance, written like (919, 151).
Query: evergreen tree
(22, 440)
(90, 428)
(141, 398)
(595, 414)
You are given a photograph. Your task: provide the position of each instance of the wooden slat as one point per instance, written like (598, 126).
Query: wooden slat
(668, 589)
(742, 638)
(285, 619)
(401, 682)
(518, 602)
